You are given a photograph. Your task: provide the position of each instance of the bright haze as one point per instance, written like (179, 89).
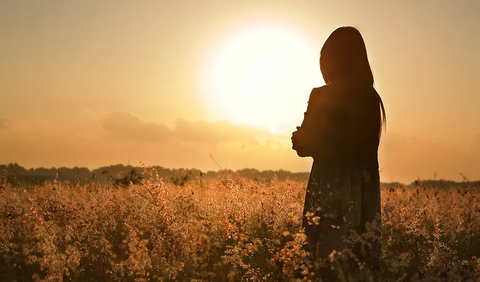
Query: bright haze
(170, 83)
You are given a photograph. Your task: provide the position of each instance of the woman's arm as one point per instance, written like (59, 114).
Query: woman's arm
(313, 138)
(302, 138)
(298, 143)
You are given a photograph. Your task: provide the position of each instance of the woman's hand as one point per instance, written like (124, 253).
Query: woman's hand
(298, 142)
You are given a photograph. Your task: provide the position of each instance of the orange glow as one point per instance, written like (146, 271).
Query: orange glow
(99, 83)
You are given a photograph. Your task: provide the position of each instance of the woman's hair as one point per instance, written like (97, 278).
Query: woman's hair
(344, 60)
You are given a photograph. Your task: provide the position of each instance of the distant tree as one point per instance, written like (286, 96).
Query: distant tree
(132, 177)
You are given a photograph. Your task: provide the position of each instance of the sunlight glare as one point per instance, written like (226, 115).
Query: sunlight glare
(263, 77)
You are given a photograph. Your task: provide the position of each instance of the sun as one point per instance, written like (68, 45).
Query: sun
(263, 77)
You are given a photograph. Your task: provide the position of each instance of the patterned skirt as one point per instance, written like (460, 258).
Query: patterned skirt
(337, 201)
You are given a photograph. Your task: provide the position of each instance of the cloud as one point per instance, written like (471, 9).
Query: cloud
(216, 132)
(126, 127)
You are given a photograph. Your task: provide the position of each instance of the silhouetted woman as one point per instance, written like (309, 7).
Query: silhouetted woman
(341, 131)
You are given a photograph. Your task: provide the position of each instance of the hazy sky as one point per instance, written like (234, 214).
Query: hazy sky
(91, 83)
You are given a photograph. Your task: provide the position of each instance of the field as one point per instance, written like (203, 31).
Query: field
(225, 229)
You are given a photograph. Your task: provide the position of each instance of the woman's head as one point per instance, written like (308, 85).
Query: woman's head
(343, 58)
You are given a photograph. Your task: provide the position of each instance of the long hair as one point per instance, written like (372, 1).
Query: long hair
(344, 60)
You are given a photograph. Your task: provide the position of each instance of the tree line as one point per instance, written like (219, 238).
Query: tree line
(123, 175)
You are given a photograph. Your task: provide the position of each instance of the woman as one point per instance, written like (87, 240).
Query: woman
(341, 131)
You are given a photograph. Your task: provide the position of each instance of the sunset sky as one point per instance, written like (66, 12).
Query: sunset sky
(169, 83)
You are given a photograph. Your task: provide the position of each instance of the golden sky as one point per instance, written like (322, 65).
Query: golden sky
(91, 83)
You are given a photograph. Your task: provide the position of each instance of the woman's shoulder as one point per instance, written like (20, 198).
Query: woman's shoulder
(342, 92)
(323, 95)
(320, 90)
(318, 93)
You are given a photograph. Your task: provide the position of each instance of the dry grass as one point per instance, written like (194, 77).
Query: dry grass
(228, 229)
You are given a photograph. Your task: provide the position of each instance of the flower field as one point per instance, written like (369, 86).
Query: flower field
(223, 229)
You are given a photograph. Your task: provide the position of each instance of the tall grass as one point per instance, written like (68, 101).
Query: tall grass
(227, 229)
